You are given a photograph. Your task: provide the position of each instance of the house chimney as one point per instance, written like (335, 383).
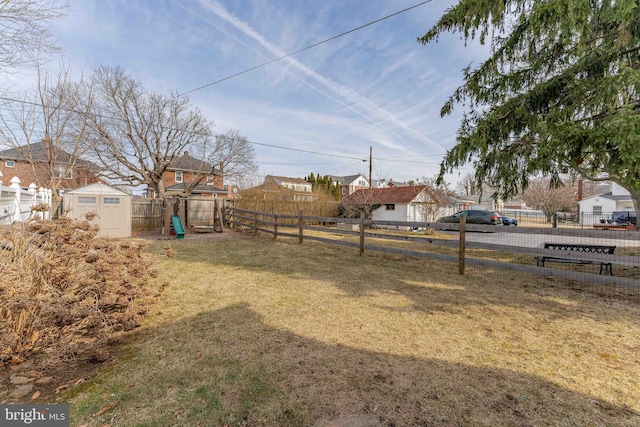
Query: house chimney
(579, 189)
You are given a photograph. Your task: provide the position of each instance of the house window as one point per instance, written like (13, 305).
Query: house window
(86, 200)
(9, 163)
(111, 200)
(178, 176)
(390, 206)
(62, 172)
(597, 210)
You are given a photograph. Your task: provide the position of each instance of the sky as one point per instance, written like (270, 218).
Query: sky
(320, 110)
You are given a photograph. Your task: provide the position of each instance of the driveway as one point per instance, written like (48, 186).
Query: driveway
(532, 240)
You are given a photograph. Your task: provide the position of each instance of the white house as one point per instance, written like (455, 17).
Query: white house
(484, 202)
(411, 203)
(601, 206)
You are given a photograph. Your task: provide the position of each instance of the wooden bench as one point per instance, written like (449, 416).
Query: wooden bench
(569, 247)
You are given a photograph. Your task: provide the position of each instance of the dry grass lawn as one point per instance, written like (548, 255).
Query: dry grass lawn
(259, 332)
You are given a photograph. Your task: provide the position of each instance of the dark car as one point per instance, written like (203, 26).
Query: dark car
(507, 220)
(624, 217)
(474, 216)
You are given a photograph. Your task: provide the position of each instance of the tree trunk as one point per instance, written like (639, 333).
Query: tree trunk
(634, 198)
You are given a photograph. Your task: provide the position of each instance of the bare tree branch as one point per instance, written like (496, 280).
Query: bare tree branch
(24, 32)
(47, 129)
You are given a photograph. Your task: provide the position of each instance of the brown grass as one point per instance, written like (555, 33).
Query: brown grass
(260, 332)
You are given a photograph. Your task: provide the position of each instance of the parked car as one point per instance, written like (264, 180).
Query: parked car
(624, 217)
(474, 216)
(507, 220)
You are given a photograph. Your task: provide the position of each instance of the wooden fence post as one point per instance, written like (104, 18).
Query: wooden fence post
(300, 227)
(463, 222)
(275, 225)
(255, 222)
(228, 213)
(361, 233)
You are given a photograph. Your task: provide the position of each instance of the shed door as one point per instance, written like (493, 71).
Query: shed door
(109, 213)
(86, 204)
(111, 216)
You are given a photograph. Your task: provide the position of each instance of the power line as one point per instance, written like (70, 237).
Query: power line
(303, 49)
(306, 151)
(280, 147)
(214, 135)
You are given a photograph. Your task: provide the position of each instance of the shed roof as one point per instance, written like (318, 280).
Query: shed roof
(98, 188)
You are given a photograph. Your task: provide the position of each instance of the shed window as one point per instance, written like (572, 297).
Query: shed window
(390, 207)
(111, 201)
(9, 163)
(178, 176)
(597, 210)
(87, 200)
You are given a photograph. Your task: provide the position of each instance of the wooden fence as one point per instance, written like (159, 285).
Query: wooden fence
(146, 214)
(451, 243)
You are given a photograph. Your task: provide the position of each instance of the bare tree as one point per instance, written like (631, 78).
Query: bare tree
(235, 153)
(432, 198)
(24, 32)
(542, 196)
(137, 134)
(467, 184)
(363, 200)
(45, 129)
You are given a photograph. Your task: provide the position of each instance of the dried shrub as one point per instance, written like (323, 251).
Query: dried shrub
(64, 292)
(284, 202)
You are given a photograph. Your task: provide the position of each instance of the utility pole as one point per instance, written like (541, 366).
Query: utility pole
(370, 165)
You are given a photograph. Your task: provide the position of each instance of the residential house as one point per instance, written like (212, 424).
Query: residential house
(350, 184)
(600, 206)
(285, 188)
(484, 202)
(38, 163)
(184, 171)
(383, 183)
(408, 203)
(515, 204)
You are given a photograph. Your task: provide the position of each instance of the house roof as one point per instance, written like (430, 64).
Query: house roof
(280, 179)
(345, 179)
(39, 152)
(385, 195)
(190, 164)
(199, 189)
(610, 196)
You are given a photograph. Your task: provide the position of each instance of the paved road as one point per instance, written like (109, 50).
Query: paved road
(538, 240)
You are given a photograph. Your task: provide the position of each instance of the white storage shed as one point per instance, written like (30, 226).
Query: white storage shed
(111, 205)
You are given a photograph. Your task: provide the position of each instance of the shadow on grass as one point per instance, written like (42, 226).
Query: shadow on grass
(230, 367)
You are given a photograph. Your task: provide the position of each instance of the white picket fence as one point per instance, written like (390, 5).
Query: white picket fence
(16, 202)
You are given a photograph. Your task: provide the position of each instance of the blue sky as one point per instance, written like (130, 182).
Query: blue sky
(375, 87)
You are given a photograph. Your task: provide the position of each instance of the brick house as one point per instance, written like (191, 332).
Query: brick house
(46, 167)
(183, 172)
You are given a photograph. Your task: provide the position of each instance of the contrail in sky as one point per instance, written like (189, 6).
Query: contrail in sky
(346, 93)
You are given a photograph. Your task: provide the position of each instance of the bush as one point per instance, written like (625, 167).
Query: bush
(65, 292)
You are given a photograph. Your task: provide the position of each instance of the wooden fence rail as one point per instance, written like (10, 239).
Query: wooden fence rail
(454, 247)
